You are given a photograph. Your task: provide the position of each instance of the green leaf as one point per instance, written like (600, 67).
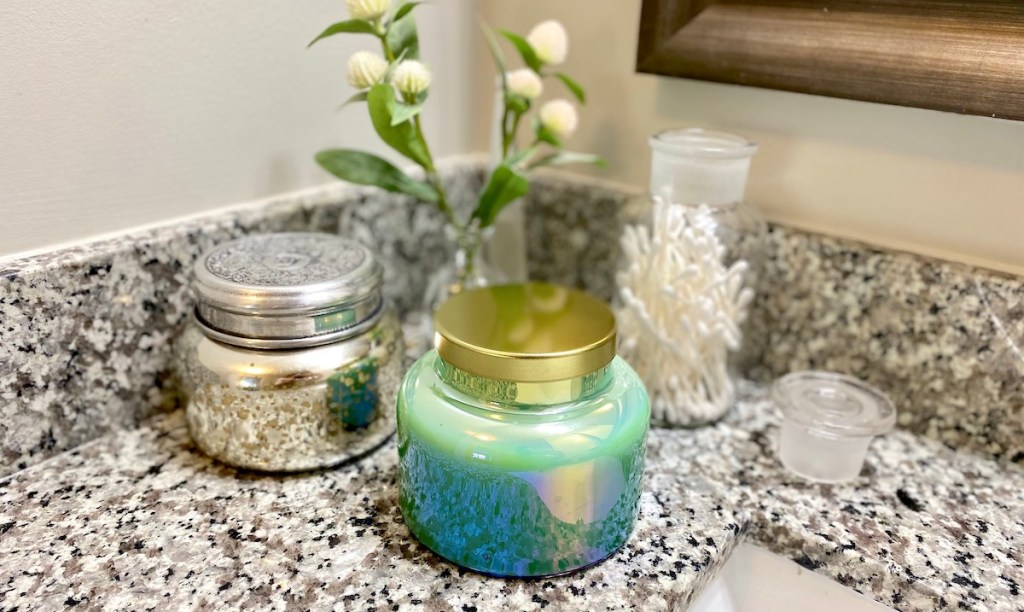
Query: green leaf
(404, 10)
(352, 26)
(402, 112)
(567, 157)
(403, 39)
(367, 169)
(402, 137)
(525, 50)
(505, 185)
(359, 96)
(543, 134)
(573, 86)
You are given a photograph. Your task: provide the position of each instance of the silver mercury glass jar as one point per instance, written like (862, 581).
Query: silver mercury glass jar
(292, 360)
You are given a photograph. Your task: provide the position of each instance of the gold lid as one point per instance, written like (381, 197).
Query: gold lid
(533, 332)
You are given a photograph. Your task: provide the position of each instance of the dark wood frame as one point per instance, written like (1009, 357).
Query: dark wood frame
(965, 56)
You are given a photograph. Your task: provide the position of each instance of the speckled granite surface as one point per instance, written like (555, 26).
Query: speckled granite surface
(946, 341)
(922, 528)
(140, 520)
(143, 520)
(85, 333)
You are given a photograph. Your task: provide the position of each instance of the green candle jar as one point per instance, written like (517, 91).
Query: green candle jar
(522, 436)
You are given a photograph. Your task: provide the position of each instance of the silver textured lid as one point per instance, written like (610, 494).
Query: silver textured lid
(286, 290)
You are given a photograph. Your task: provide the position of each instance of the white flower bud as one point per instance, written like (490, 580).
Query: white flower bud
(368, 9)
(366, 69)
(559, 116)
(411, 77)
(550, 41)
(524, 82)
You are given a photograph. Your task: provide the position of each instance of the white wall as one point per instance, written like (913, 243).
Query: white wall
(924, 181)
(117, 113)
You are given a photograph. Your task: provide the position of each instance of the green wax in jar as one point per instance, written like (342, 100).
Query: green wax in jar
(521, 490)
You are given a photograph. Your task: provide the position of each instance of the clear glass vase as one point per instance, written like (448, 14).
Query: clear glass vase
(679, 327)
(469, 268)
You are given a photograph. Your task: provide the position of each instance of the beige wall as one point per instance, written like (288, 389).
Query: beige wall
(929, 182)
(117, 113)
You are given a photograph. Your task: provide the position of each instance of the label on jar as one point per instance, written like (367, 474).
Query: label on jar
(353, 393)
(335, 320)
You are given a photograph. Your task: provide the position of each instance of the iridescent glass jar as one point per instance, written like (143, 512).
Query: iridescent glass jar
(292, 360)
(522, 435)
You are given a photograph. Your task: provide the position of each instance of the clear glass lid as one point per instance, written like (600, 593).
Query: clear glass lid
(698, 142)
(693, 166)
(834, 404)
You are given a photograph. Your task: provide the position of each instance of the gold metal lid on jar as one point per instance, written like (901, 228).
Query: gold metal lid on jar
(532, 332)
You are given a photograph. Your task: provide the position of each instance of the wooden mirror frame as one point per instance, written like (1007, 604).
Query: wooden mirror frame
(965, 56)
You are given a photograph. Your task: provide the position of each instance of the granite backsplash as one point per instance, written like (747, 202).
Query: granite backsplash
(85, 332)
(945, 340)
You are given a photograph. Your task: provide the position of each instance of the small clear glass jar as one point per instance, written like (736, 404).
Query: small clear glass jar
(292, 361)
(522, 436)
(828, 423)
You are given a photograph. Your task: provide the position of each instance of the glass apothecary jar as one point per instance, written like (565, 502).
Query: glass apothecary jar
(521, 435)
(703, 254)
(292, 360)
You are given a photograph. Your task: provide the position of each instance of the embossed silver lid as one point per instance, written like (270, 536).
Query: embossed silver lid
(287, 290)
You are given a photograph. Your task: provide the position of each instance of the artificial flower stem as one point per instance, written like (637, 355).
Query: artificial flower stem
(442, 201)
(516, 116)
(470, 253)
(524, 163)
(431, 172)
(506, 135)
(387, 48)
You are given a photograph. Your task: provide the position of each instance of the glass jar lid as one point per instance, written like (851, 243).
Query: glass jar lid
(833, 404)
(532, 332)
(287, 290)
(693, 166)
(698, 142)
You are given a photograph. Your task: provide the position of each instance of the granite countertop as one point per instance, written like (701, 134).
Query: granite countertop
(142, 520)
(139, 519)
